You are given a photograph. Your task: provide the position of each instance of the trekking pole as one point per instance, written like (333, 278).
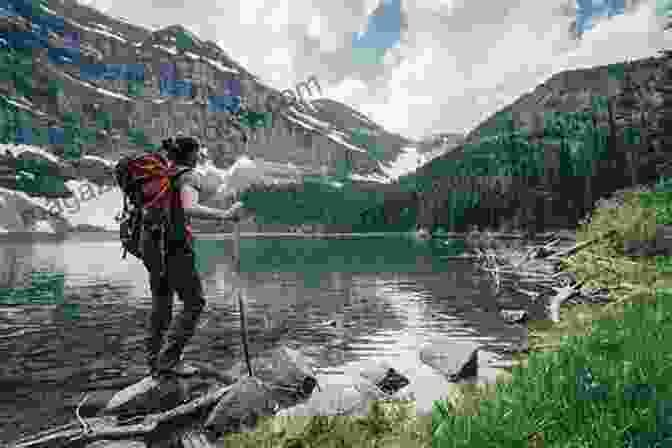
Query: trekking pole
(241, 297)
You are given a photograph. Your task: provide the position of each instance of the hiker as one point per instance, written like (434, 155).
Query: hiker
(178, 272)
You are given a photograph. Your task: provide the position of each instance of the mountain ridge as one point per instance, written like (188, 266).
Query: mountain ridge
(297, 134)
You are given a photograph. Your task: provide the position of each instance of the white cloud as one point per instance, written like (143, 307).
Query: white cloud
(458, 61)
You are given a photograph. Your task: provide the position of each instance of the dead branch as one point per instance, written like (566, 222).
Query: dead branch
(532, 294)
(69, 434)
(562, 295)
(579, 246)
(85, 426)
(538, 251)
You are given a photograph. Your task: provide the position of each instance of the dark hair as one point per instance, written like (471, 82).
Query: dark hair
(181, 148)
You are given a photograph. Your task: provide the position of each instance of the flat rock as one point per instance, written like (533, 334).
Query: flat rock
(455, 360)
(240, 408)
(146, 396)
(285, 371)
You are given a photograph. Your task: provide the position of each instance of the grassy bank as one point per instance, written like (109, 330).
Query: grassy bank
(598, 378)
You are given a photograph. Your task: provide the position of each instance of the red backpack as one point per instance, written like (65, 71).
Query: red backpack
(147, 182)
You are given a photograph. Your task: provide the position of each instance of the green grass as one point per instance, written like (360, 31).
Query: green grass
(388, 424)
(630, 365)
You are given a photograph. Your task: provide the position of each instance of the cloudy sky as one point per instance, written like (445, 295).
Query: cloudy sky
(449, 64)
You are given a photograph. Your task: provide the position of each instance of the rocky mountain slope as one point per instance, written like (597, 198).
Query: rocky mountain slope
(315, 135)
(62, 82)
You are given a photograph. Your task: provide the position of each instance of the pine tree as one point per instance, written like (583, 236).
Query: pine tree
(628, 104)
(662, 126)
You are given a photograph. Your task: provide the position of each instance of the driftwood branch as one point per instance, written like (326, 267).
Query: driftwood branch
(538, 251)
(562, 295)
(72, 433)
(579, 246)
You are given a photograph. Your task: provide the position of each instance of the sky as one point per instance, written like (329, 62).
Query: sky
(435, 66)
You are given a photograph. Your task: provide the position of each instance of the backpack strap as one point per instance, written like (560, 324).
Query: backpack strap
(179, 173)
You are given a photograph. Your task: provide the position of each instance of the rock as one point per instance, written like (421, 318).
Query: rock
(385, 377)
(96, 401)
(660, 245)
(514, 316)
(240, 408)
(664, 239)
(337, 399)
(285, 371)
(147, 396)
(455, 360)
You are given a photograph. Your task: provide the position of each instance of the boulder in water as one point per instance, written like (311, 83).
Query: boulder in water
(240, 408)
(455, 360)
(335, 399)
(385, 377)
(285, 371)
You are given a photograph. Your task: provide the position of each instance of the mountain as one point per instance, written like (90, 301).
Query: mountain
(312, 135)
(62, 81)
(571, 91)
(632, 94)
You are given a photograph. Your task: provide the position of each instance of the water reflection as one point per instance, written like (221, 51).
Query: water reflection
(340, 302)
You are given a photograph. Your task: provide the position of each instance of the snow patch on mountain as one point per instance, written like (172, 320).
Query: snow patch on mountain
(16, 150)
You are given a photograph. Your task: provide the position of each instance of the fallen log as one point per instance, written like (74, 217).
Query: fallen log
(61, 437)
(188, 408)
(51, 437)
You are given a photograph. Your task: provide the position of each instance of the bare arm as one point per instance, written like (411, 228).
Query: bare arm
(192, 208)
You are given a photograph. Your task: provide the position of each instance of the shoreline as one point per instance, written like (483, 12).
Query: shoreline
(209, 235)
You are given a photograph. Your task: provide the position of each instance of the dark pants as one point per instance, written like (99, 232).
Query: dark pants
(182, 277)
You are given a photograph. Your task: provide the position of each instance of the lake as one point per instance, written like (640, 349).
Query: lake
(73, 313)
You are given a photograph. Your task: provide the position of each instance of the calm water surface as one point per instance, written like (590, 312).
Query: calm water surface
(387, 295)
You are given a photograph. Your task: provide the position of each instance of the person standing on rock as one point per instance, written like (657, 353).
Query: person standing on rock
(180, 274)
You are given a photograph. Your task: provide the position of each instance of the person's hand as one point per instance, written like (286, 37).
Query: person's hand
(237, 212)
